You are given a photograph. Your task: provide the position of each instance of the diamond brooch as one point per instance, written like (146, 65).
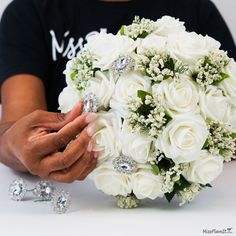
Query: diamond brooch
(17, 189)
(125, 165)
(44, 191)
(61, 202)
(123, 64)
(90, 103)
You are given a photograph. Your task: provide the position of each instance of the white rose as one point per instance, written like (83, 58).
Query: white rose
(178, 96)
(103, 85)
(168, 25)
(152, 42)
(205, 169)
(127, 87)
(106, 136)
(146, 184)
(183, 138)
(229, 84)
(71, 66)
(213, 104)
(231, 118)
(190, 47)
(136, 145)
(106, 48)
(110, 181)
(68, 98)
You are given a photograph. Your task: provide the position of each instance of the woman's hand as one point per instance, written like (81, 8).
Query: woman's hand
(33, 143)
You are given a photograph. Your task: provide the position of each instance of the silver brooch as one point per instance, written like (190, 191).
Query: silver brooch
(43, 191)
(61, 202)
(17, 189)
(125, 165)
(123, 64)
(90, 101)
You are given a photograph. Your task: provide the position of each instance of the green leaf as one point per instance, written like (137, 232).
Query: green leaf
(181, 184)
(122, 30)
(142, 94)
(144, 110)
(223, 77)
(169, 64)
(143, 35)
(194, 76)
(165, 164)
(73, 74)
(206, 144)
(170, 196)
(168, 117)
(155, 169)
(233, 135)
(206, 185)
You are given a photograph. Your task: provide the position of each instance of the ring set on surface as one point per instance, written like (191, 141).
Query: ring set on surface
(44, 191)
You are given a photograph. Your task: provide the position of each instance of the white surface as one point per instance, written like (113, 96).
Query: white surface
(93, 213)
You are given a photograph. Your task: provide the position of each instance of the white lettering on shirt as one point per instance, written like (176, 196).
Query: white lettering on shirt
(73, 46)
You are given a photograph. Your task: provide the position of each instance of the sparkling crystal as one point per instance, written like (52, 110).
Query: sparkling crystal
(123, 64)
(61, 202)
(17, 189)
(44, 190)
(125, 165)
(90, 103)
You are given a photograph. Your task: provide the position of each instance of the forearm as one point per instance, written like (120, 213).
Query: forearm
(6, 156)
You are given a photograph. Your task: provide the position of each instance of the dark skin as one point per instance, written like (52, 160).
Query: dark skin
(31, 138)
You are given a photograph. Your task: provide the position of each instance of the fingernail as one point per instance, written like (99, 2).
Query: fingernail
(96, 155)
(90, 147)
(90, 117)
(90, 131)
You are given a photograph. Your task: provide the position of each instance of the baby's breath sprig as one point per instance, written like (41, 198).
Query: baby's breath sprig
(140, 28)
(81, 69)
(221, 140)
(188, 194)
(159, 66)
(146, 114)
(210, 69)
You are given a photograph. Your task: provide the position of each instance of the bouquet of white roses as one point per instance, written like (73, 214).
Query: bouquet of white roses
(166, 109)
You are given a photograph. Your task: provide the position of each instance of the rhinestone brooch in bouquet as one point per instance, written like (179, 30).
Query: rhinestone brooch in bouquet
(166, 109)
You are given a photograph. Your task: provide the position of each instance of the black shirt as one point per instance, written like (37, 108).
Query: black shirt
(39, 36)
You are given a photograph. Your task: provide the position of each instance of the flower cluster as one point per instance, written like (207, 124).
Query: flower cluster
(220, 140)
(210, 69)
(159, 66)
(80, 69)
(166, 113)
(140, 28)
(188, 194)
(146, 114)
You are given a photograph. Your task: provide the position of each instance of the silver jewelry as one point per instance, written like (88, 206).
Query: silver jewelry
(17, 189)
(123, 65)
(90, 103)
(124, 165)
(61, 201)
(44, 191)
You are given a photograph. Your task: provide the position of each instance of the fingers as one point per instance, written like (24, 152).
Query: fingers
(63, 160)
(78, 171)
(54, 141)
(55, 121)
